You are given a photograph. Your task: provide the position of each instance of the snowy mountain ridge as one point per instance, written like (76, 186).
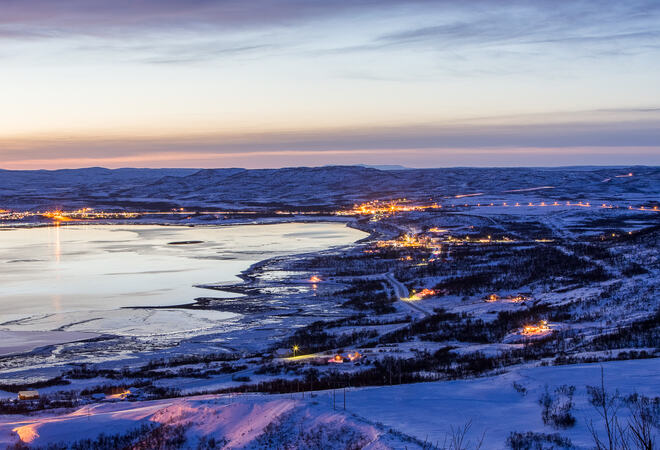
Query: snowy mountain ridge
(314, 186)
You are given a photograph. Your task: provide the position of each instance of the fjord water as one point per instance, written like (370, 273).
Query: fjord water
(69, 270)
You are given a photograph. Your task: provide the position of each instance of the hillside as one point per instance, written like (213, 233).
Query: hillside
(313, 186)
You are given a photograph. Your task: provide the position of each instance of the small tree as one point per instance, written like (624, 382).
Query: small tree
(457, 437)
(607, 405)
(557, 409)
(641, 423)
(639, 431)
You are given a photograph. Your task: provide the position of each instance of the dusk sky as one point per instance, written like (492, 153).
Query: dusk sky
(201, 83)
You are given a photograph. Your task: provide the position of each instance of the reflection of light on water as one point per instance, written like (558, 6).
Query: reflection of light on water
(57, 253)
(55, 242)
(116, 266)
(57, 250)
(57, 303)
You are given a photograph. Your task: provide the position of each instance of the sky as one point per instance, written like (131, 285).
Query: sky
(257, 83)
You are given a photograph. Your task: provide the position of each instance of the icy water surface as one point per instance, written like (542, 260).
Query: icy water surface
(63, 277)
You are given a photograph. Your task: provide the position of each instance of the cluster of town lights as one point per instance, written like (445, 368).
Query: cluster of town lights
(407, 240)
(534, 330)
(380, 209)
(383, 208)
(350, 357)
(68, 216)
(520, 298)
(421, 294)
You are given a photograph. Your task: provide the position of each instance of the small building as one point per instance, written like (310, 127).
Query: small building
(337, 359)
(28, 395)
(492, 298)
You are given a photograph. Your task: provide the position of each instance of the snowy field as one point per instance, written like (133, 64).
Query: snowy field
(506, 280)
(429, 410)
(403, 416)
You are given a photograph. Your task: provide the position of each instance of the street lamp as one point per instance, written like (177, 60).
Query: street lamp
(295, 349)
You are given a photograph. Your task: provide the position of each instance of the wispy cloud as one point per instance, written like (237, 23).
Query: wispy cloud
(526, 27)
(597, 129)
(516, 26)
(101, 17)
(280, 63)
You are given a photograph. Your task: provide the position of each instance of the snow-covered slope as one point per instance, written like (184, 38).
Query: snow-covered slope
(411, 416)
(316, 186)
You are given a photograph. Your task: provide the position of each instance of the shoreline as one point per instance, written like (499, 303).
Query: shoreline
(325, 218)
(246, 287)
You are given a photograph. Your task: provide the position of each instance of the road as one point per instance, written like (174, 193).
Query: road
(401, 291)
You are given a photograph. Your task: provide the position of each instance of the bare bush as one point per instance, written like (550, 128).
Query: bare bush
(557, 407)
(537, 441)
(457, 438)
(639, 432)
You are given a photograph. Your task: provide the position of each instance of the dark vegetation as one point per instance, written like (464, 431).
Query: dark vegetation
(315, 338)
(285, 434)
(443, 364)
(444, 326)
(74, 399)
(368, 295)
(516, 268)
(153, 371)
(640, 333)
(537, 441)
(557, 406)
(56, 381)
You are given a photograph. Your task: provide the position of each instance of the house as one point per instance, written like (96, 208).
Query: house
(492, 298)
(28, 395)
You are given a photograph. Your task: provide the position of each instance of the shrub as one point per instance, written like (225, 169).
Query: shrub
(557, 408)
(537, 441)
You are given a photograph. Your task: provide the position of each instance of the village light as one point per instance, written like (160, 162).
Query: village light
(492, 298)
(539, 328)
(295, 349)
(422, 294)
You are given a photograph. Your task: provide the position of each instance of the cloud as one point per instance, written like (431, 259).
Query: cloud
(236, 27)
(576, 25)
(101, 17)
(602, 130)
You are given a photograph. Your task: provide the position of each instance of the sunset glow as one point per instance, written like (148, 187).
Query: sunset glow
(210, 84)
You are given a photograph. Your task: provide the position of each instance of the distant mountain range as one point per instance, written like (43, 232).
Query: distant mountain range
(313, 186)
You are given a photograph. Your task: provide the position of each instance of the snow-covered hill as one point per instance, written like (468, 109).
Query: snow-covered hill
(316, 186)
